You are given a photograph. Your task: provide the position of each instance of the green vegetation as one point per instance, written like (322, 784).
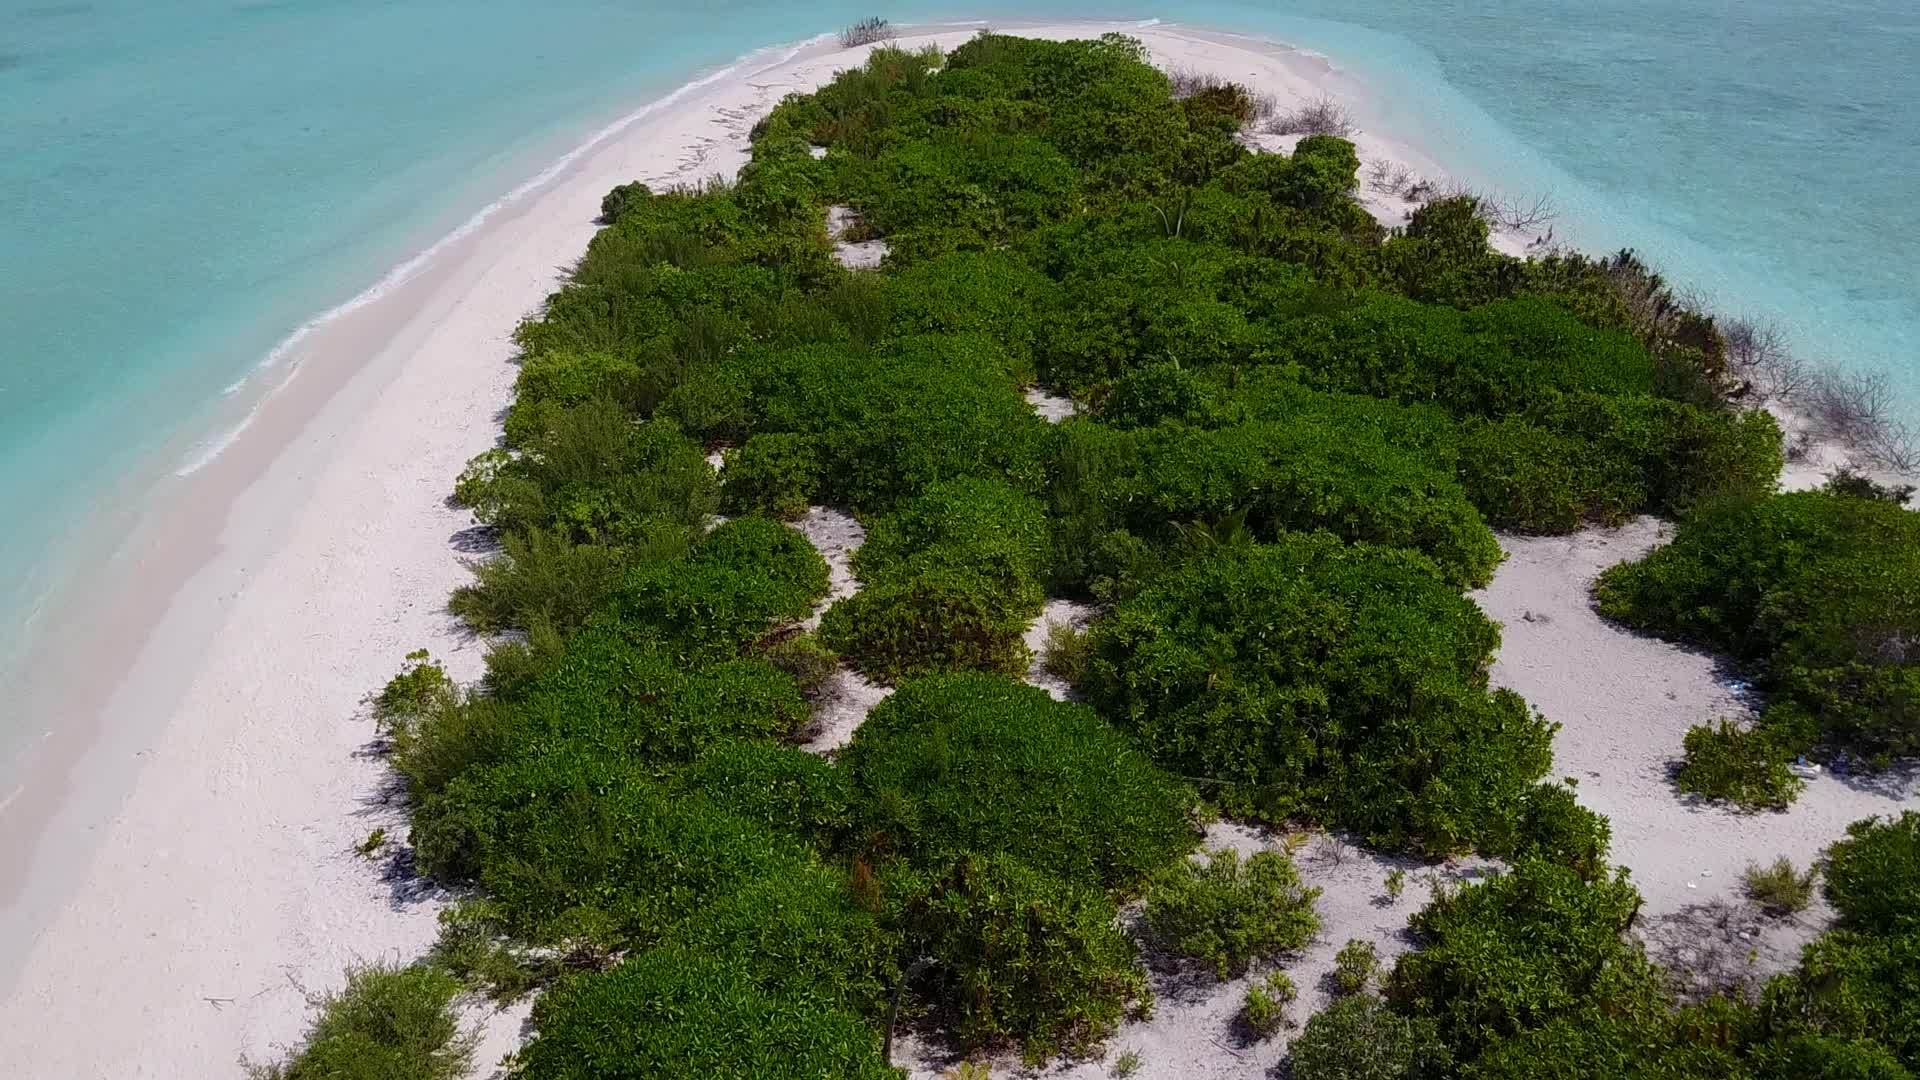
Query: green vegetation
(1779, 889)
(1816, 591)
(387, 1023)
(1365, 705)
(1265, 1007)
(1359, 1038)
(1228, 914)
(1355, 966)
(1297, 430)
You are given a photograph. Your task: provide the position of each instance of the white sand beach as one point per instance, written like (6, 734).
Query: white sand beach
(183, 868)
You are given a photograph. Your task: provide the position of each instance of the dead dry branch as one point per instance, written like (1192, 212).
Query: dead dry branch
(1321, 116)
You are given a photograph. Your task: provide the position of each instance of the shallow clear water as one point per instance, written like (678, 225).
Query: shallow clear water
(183, 185)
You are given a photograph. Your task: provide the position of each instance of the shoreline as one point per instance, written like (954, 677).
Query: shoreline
(285, 582)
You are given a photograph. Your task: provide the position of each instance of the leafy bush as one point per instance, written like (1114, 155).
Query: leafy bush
(968, 525)
(881, 428)
(1360, 1038)
(614, 205)
(767, 985)
(544, 578)
(780, 787)
(594, 475)
(1067, 652)
(1301, 475)
(1530, 479)
(1872, 877)
(1516, 951)
(774, 473)
(803, 659)
(574, 851)
(1227, 914)
(942, 620)
(1555, 827)
(1779, 889)
(1745, 766)
(1265, 1007)
(1020, 954)
(1364, 706)
(387, 1023)
(1816, 590)
(1355, 965)
(958, 764)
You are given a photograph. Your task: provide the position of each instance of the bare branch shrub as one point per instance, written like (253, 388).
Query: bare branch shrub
(1394, 178)
(1758, 355)
(1321, 116)
(1501, 212)
(866, 32)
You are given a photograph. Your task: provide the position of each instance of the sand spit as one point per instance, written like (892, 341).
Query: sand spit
(177, 911)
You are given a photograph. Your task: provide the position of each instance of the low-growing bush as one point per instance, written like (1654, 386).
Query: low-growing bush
(1872, 876)
(1514, 952)
(1067, 650)
(940, 620)
(782, 788)
(575, 852)
(387, 1023)
(1361, 1038)
(803, 659)
(1779, 889)
(958, 764)
(774, 473)
(1227, 914)
(772, 982)
(1265, 1007)
(1817, 591)
(623, 197)
(1743, 765)
(1364, 706)
(1355, 966)
(1020, 955)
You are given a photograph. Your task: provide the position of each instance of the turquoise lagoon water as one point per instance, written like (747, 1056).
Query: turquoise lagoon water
(184, 185)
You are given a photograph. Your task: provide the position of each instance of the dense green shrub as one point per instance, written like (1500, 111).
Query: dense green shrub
(1528, 478)
(575, 849)
(1555, 827)
(1743, 765)
(968, 525)
(1228, 914)
(774, 473)
(940, 620)
(1514, 952)
(1818, 591)
(1019, 954)
(614, 205)
(881, 429)
(1302, 474)
(1872, 877)
(595, 475)
(782, 788)
(543, 578)
(387, 1023)
(958, 764)
(739, 581)
(1360, 1038)
(767, 984)
(1364, 704)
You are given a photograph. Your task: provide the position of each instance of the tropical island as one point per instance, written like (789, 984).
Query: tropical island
(1000, 583)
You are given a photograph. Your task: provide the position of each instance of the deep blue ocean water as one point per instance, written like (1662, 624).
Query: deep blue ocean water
(183, 185)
